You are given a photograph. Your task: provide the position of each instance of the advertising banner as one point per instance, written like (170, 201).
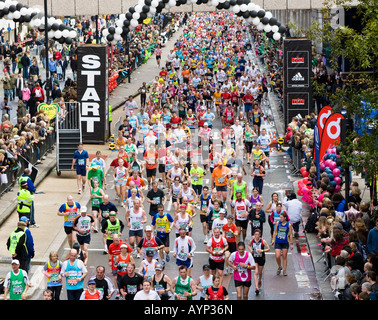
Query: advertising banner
(297, 78)
(93, 93)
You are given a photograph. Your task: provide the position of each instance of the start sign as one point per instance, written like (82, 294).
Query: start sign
(92, 91)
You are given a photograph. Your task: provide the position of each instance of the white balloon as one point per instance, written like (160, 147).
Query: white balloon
(122, 16)
(51, 20)
(154, 3)
(260, 26)
(114, 42)
(268, 14)
(30, 11)
(117, 37)
(214, 2)
(256, 21)
(136, 15)
(138, 8)
(8, 3)
(251, 6)
(73, 34)
(152, 10)
(37, 22)
(133, 23)
(222, 1)
(149, 14)
(14, 3)
(250, 19)
(267, 28)
(50, 34)
(118, 30)
(236, 8)
(58, 34)
(65, 33)
(105, 32)
(141, 2)
(243, 7)
(275, 28)
(23, 11)
(17, 15)
(119, 23)
(172, 3)
(10, 16)
(276, 36)
(2, 5)
(31, 24)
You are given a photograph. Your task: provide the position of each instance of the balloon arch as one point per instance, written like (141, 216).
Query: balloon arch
(263, 20)
(34, 18)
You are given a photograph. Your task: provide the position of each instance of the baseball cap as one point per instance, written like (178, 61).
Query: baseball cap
(149, 253)
(91, 282)
(206, 267)
(123, 245)
(24, 219)
(148, 228)
(84, 209)
(15, 261)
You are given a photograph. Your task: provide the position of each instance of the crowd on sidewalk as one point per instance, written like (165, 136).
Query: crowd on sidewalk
(345, 226)
(165, 146)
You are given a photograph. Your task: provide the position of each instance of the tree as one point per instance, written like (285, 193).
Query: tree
(360, 47)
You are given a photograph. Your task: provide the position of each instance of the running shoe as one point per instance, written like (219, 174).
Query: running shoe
(279, 271)
(79, 191)
(259, 284)
(118, 296)
(257, 292)
(206, 239)
(284, 273)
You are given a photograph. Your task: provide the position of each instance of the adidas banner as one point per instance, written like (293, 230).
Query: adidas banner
(297, 78)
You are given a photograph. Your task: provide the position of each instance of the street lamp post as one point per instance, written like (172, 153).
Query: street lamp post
(47, 86)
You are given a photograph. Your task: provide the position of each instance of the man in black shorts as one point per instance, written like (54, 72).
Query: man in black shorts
(155, 196)
(217, 246)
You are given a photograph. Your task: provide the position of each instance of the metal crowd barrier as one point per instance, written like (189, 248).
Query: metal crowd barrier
(31, 156)
(296, 157)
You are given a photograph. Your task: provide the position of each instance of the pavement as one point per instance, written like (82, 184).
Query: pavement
(50, 235)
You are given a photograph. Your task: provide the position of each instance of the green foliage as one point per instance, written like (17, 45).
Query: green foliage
(361, 49)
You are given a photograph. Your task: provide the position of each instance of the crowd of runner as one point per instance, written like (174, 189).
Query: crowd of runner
(166, 145)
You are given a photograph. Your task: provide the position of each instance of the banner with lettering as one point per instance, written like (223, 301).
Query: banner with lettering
(92, 92)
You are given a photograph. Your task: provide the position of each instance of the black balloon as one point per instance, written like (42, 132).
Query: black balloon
(147, 2)
(245, 14)
(12, 8)
(129, 16)
(110, 37)
(62, 27)
(111, 30)
(145, 9)
(5, 11)
(226, 5)
(143, 16)
(253, 13)
(265, 21)
(68, 40)
(219, 6)
(55, 26)
(261, 13)
(125, 30)
(239, 2)
(281, 29)
(19, 6)
(33, 14)
(165, 1)
(232, 2)
(61, 40)
(269, 34)
(126, 23)
(41, 28)
(131, 10)
(272, 21)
